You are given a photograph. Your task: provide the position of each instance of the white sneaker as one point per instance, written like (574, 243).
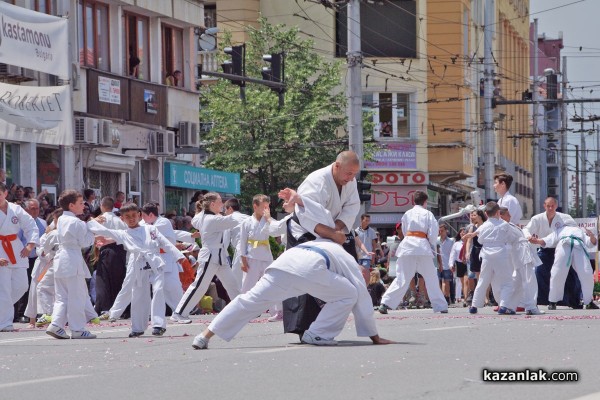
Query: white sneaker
(277, 317)
(200, 342)
(310, 338)
(180, 319)
(56, 332)
(8, 328)
(534, 311)
(82, 335)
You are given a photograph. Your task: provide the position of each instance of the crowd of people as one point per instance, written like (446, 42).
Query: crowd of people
(103, 259)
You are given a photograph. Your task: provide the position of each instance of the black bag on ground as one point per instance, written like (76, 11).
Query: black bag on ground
(299, 312)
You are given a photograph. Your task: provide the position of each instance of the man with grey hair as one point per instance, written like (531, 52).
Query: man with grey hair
(32, 206)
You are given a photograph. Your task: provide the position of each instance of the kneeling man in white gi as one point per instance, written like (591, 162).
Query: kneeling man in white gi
(320, 268)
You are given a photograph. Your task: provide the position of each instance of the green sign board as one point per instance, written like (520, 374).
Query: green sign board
(185, 176)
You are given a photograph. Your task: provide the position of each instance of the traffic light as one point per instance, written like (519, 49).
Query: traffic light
(276, 72)
(237, 65)
(364, 187)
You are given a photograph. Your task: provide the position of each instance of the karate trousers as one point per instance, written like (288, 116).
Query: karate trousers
(497, 272)
(144, 305)
(13, 284)
(72, 303)
(277, 285)
(560, 269)
(524, 289)
(409, 265)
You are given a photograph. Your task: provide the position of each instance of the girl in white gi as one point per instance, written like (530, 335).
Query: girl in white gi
(321, 268)
(212, 256)
(494, 235)
(71, 271)
(14, 259)
(571, 243)
(415, 254)
(524, 259)
(254, 248)
(145, 268)
(173, 289)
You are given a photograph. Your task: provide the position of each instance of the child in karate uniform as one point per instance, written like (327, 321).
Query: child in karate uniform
(145, 268)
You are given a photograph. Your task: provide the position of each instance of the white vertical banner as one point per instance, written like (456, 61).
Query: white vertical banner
(36, 114)
(34, 40)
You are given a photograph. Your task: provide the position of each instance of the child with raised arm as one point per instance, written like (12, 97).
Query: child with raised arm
(145, 266)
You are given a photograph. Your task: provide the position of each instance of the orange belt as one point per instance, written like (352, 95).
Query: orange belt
(162, 251)
(7, 246)
(418, 234)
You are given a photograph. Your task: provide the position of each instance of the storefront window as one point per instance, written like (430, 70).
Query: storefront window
(174, 199)
(9, 160)
(48, 168)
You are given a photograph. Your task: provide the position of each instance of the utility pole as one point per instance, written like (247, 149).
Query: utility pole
(576, 180)
(597, 173)
(488, 129)
(564, 174)
(354, 59)
(583, 154)
(537, 165)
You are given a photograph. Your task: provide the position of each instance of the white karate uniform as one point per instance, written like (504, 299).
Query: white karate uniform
(571, 249)
(496, 237)
(524, 259)
(540, 226)
(70, 273)
(144, 268)
(172, 284)
(232, 237)
(416, 254)
(320, 187)
(258, 255)
(298, 271)
(213, 261)
(45, 275)
(13, 277)
(514, 208)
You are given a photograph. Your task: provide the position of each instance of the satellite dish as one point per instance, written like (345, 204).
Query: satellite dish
(207, 42)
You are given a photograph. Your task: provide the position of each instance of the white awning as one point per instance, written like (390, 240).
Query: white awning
(108, 161)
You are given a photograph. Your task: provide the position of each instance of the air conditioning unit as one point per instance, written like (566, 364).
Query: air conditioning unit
(75, 77)
(9, 70)
(553, 181)
(162, 143)
(188, 134)
(86, 130)
(105, 132)
(553, 191)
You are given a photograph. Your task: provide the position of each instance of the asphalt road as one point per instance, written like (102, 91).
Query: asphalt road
(437, 357)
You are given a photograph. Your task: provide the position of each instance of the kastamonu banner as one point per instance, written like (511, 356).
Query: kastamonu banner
(34, 40)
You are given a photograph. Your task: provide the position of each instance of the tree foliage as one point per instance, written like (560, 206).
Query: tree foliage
(273, 147)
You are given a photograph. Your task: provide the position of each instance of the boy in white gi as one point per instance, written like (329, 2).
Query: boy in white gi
(494, 236)
(13, 256)
(44, 275)
(524, 259)
(321, 268)
(145, 268)
(71, 271)
(254, 248)
(415, 254)
(173, 289)
(571, 243)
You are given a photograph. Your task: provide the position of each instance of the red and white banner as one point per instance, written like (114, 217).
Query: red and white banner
(393, 198)
(399, 178)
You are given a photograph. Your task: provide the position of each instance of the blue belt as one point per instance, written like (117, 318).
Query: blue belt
(316, 250)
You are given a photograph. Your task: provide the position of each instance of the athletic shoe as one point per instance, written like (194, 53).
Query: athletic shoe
(277, 317)
(8, 328)
(473, 310)
(591, 306)
(180, 319)
(135, 334)
(44, 320)
(309, 338)
(112, 319)
(496, 309)
(551, 306)
(105, 316)
(534, 311)
(82, 335)
(95, 321)
(157, 331)
(506, 311)
(200, 343)
(520, 309)
(383, 309)
(444, 312)
(57, 332)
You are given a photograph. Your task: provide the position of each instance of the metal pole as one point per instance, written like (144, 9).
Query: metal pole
(354, 58)
(597, 174)
(564, 174)
(488, 135)
(537, 165)
(583, 154)
(577, 180)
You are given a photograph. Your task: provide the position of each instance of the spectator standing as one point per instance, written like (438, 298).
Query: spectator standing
(368, 236)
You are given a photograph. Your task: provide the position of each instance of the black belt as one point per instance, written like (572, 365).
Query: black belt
(317, 250)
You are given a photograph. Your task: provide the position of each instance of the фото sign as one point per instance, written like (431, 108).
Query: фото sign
(399, 178)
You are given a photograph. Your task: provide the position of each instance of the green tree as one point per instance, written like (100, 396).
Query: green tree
(273, 147)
